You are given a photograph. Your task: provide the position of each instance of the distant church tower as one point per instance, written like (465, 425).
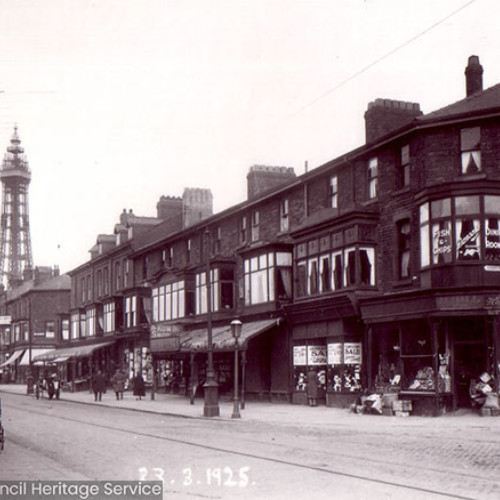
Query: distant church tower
(15, 244)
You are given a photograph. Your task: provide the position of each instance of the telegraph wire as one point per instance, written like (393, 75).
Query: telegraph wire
(381, 58)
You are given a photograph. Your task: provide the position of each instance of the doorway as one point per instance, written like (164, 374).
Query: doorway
(469, 361)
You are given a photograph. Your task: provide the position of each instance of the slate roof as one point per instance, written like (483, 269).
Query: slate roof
(478, 103)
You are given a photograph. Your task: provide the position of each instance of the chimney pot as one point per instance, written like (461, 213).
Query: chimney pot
(473, 76)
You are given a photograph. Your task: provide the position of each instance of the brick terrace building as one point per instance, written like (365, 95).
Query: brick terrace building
(379, 270)
(39, 322)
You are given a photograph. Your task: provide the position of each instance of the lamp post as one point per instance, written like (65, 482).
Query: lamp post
(236, 332)
(211, 393)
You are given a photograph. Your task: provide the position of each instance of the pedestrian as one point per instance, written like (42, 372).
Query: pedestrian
(49, 385)
(56, 380)
(118, 381)
(98, 385)
(138, 386)
(312, 387)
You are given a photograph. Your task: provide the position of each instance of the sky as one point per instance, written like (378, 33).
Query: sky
(118, 102)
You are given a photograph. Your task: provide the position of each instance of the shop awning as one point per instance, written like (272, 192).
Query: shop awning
(222, 338)
(61, 359)
(72, 352)
(16, 355)
(25, 360)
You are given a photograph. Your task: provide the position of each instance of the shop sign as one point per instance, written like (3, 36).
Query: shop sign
(335, 353)
(5, 320)
(165, 344)
(162, 330)
(316, 355)
(352, 353)
(299, 355)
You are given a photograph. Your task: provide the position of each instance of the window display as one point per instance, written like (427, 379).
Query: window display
(304, 358)
(344, 366)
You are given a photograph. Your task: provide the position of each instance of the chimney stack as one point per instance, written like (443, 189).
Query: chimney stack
(473, 76)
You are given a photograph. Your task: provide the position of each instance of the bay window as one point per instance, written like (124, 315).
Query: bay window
(268, 276)
(462, 228)
(171, 301)
(109, 317)
(91, 320)
(222, 290)
(130, 311)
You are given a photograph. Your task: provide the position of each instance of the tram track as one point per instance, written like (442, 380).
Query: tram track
(322, 467)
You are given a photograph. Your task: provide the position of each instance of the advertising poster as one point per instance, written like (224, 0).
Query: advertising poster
(316, 355)
(352, 353)
(335, 353)
(299, 355)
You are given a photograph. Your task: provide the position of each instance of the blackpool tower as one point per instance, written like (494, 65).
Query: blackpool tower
(15, 243)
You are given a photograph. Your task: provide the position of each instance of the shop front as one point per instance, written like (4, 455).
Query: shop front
(180, 359)
(332, 352)
(437, 358)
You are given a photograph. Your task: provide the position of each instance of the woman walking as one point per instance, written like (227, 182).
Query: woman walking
(138, 386)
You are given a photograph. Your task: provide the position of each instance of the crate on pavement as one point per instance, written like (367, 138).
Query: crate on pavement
(402, 405)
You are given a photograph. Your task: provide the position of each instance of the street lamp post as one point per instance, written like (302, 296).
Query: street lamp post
(211, 393)
(236, 332)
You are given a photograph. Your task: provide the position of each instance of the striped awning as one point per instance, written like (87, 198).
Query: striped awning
(15, 355)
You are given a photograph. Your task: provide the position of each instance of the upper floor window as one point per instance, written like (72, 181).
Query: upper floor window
(89, 288)
(130, 311)
(75, 325)
(460, 228)
(145, 266)
(109, 317)
(333, 192)
(470, 148)
(105, 281)
(118, 276)
(255, 225)
(243, 230)
(50, 329)
(284, 215)
(404, 167)
(65, 331)
(267, 277)
(222, 290)
(171, 301)
(404, 248)
(330, 270)
(372, 178)
(91, 322)
(217, 240)
(188, 251)
(99, 283)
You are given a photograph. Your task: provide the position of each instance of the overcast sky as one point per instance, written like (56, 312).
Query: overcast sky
(118, 102)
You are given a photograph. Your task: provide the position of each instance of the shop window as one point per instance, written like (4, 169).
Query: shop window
(372, 178)
(470, 139)
(309, 357)
(344, 366)
(404, 167)
(404, 248)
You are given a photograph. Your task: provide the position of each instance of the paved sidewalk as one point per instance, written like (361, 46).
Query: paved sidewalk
(175, 405)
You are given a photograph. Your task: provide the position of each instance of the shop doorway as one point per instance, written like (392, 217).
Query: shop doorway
(470, 360)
